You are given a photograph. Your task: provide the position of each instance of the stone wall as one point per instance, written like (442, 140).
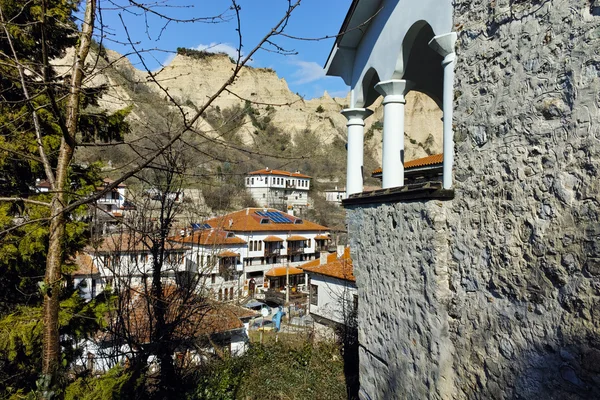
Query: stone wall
(495, 294)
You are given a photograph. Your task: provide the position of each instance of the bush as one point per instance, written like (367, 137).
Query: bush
(290, 370)
(320, 109)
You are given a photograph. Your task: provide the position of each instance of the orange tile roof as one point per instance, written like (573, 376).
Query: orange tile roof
(85, 265)
(282, 271)
(340, 268)
(108, 181)
(267, 171)
(296, 238)
(228, 253)
(322, 237)
(247, 220)
(272, 239)
(209, 237)
(198, 316)
(420, 162)
(331, 257)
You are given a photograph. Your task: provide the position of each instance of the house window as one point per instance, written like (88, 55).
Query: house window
(300, 195)
(231, 294)
(220, 294)
(314, 295)
(213, 278)
(267, 180)
(115, 195)
(355, 302)
(247, 181)
(253, 181)
(264, 195)
(259, 245)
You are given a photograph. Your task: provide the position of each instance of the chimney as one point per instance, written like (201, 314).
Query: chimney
(323, 257)
(340, 250)
(290, 211)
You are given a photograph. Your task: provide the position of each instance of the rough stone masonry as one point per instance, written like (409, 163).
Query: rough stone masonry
(496, 293)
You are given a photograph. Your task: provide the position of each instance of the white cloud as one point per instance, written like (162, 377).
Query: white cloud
(308, 71)
(220, 48)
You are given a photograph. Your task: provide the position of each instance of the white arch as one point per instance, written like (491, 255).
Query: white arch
(381, 48)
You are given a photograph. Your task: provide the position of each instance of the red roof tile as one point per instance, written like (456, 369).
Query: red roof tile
(340, 268)
(247, 220)
(272, 239)
(419, 162)
(85, 265)
(268, 171)
(296, 238)
(209, 237)
(282, 271)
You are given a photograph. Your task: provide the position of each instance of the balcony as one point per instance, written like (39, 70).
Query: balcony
(278, 297)
(104, 200)
(272, 252)
(295, 251)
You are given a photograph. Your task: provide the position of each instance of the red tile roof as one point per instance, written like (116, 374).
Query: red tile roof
(282, 271)
(340, 268)
(198, 317)
(420, 162)
(272, 239)
(209, 237)
(247, 220)
(228, 253)
(296, 238)
(85, 265)
(268, 171)
(322, 237)
(43, 184)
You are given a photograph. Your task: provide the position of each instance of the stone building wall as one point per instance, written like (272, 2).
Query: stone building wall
(496, 293)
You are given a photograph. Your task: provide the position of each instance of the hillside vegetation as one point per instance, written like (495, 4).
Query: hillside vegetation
(258, 124)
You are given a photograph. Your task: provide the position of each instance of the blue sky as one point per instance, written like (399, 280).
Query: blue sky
(303, 72)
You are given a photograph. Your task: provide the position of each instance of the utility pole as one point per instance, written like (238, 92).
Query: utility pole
(287, 288)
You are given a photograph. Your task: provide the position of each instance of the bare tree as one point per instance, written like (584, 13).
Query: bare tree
(65, 102)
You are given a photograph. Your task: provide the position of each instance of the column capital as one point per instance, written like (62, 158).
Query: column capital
(444, 45)
(394, 90)
(356, 116)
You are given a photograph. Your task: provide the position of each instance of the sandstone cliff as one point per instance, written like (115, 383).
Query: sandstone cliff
(190, 81)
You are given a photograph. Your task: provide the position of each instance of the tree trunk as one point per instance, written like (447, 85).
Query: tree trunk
(52, 280)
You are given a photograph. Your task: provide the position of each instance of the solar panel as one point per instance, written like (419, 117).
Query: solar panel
(197, 227)
(275, 216)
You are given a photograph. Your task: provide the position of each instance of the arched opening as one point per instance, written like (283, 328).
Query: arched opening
(370, 79)
(422, 150)
(420, 63)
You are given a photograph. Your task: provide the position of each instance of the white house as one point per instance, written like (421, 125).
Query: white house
(335, 195)
(124, 260)
(215, 255)
(332, 288)
(273, 239)
(279, 189)
(113, 203)
(201, 329)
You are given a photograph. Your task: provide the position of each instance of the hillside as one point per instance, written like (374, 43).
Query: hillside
(258, 123)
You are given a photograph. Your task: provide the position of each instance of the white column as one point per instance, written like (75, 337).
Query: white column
(444, 45)
(392, 163)
(356, 132)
